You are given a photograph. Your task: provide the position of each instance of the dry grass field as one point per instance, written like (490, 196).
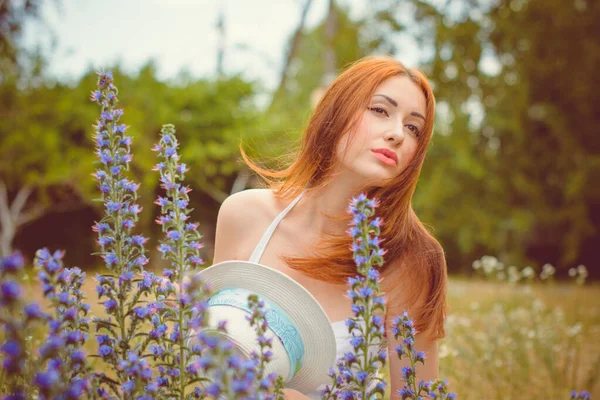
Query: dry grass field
(503, 341)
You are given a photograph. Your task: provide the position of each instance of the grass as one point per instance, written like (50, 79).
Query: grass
(503, 341)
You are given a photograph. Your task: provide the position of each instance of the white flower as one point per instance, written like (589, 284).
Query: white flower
(574, 330)
(489, 264)
(547, 271)
(528, 272)
(444, 350)
(538, 305)
(513, 274)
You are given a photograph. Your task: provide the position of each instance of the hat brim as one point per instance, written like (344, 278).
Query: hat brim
(297, 302)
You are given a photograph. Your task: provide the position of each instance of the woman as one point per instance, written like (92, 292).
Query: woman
(369, 133)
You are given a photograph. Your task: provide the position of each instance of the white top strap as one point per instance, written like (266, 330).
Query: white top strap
(264, 240)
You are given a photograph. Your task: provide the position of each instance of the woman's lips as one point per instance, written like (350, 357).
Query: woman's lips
(385, 159)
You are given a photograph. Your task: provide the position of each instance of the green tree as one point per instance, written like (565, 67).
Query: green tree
(515, 157)
(47, 150)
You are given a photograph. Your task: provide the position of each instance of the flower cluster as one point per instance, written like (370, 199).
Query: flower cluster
(57, 369)
(270, 386)
(229, 375)
(358, 372)
(403, 328)
(191, 353)
(579, 273)
(180, 248)
(580, 396)
(182, 242)
(122, 251)
(490, 266)
(67, 372)
(17, 367)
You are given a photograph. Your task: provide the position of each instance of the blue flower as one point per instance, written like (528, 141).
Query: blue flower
(96, 95)
(406, 393)
(11, 348)
(419, 356)
(111, 259)
(213, 390)
(156, 350)
(373, 274)
(152, 387)
(174, 235)
(170, 152)
(365, 292)
(361, 376)
(356, 341)
(78, 356)
(139, 240)
(105, 158)
(141, 312)
(128, 386)
(113, 206)
(33, 311)
(9, 292)
(377, 320)
(407, 372)
(105, 350)
(46, 380)
(126, 276)
(101, 227)
(376, 223)
(110, 304)
(165, 248)
(12, 263)
(120, 128)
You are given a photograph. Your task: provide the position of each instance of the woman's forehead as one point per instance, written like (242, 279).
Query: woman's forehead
(401, 91)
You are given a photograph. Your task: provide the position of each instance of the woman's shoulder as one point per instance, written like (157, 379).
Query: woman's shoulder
(249, 203)
(248, 208)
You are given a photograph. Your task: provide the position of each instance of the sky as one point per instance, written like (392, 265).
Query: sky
(177, 34)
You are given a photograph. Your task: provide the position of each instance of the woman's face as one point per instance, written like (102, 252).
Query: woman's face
(387, 136)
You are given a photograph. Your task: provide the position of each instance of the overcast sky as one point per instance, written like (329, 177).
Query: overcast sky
(176, 33)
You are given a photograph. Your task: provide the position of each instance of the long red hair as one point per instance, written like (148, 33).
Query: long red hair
(420, 260)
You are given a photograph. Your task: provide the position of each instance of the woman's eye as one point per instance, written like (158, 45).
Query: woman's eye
(378, 110)
(413, 129)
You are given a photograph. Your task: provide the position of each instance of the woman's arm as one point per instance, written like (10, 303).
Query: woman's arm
(227, 227)
(291, 394)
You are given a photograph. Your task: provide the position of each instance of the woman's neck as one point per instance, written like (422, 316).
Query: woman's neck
(333, 199)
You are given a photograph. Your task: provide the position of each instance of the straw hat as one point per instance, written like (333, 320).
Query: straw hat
(304, 345)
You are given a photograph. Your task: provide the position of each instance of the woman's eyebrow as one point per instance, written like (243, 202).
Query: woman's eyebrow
(392, 101)
(395, 104)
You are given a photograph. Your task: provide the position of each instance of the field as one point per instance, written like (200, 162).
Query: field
(505, 341)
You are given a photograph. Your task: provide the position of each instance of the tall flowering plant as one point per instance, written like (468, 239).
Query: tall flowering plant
(123, 253)
(179, 363)
(189, 356)
(180, 247)
(357, 370)
(356, 374)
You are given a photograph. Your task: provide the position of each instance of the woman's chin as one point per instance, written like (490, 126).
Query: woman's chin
(377, 179)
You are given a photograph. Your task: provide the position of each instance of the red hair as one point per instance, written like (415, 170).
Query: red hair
(419, 257)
